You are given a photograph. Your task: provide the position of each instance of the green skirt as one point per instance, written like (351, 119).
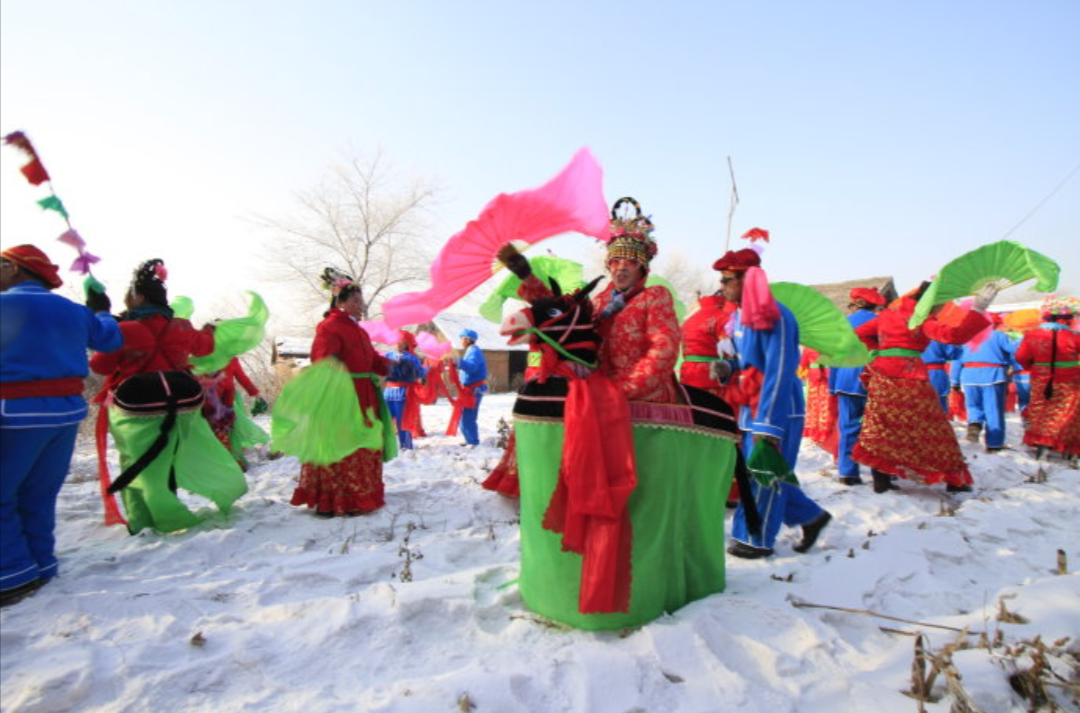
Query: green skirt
(193, 459)
(676, 513)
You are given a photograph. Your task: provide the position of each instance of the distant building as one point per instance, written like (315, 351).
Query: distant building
(840, 292)
(506, 364)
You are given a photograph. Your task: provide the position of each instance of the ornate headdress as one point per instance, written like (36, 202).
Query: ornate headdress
(338, 282)
(1059, 307)
(630, 236)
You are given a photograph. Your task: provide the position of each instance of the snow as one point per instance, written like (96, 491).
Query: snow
(414, 607)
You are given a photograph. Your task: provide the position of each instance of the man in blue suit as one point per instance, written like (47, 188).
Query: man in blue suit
(981, 373)
(473, 369)
(846, 385)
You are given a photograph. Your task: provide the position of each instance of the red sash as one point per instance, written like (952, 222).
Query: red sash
(70, 386)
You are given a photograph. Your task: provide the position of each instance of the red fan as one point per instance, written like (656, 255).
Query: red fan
(572, 201)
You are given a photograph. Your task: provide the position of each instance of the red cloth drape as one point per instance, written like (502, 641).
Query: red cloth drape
(589, 506)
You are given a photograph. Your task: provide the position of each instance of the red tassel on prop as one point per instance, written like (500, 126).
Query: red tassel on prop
(35, 172)
(755, 234)
(18, 140)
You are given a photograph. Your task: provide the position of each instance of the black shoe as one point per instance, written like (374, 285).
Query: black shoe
(811, 530)
(748, 552)
(957, 488)
(17, 594)
(851, 481)
(883, 482)
(994, 449)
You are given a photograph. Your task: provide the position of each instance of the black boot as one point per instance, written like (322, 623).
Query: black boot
(882, 482)
(811, 530)
(749, 552)
(974, 430)
(17, 594)
(1040, 452)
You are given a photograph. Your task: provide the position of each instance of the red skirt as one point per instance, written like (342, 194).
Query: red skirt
(821, 416)
(1054, 423)
(906, 433)
(351, 485)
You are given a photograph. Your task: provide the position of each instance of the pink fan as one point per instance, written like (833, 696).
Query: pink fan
(432, 347)
(380, 333)
(572, 201)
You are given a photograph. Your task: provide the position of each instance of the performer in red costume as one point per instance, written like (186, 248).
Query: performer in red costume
(904, 431)
(1052, 353)
(702, 333)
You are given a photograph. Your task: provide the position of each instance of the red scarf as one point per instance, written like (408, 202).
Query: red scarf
(589, 506)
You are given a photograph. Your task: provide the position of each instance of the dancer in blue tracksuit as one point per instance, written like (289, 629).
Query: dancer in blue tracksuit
(473, 370)
(981, 372)
(43, 342)
(937, 357)
(846, 384)
(778, 418)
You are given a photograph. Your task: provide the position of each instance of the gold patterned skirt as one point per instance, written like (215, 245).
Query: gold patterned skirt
(352, 485)
(1054, 422)
(906, 433)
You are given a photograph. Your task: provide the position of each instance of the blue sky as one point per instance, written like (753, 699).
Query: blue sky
(869, 137)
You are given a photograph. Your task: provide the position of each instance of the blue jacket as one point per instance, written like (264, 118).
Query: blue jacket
(406, 369)
(775, 353)
(940, 353)
(997, 349)
(846, 380)
(45, 336)
(473, 367)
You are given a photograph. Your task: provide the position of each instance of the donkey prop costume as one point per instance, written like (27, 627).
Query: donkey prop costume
(622, 504)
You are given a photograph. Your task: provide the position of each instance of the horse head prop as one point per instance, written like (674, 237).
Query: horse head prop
(561, 326)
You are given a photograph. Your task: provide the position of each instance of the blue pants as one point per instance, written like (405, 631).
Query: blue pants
(849, 423)
(397, 410)
(1023, 394)
(939, 379)
(469, 429)
(780, 503)
(33, 465)
(986, 405)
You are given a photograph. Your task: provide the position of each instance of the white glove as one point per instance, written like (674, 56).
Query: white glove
(984, 297)
(719, 370)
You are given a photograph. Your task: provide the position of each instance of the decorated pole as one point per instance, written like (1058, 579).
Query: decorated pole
(36, 173)
(734, 201)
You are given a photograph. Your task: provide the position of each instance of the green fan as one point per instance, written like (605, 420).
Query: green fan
(680, 308)
(233, 337)
(1005, 263)
(182, 307)
(567, 272)
(822, 326)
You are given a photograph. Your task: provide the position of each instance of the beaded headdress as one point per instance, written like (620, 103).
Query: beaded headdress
(630, 236)
(1059, 306)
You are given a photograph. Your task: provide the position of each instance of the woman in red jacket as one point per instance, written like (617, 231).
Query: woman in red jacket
(153, 406)
(354, 484)
(905, 433)
(1052, 353)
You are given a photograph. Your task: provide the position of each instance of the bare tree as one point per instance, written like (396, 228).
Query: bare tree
(361, 219)
(690, 281)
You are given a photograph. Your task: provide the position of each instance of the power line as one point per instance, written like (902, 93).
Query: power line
(1041, 203)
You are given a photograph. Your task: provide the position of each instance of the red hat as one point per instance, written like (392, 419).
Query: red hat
(869, 295)
(408, 337)
(33, 260)
(737, 261)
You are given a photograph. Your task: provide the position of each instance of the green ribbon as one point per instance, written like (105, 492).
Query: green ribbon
(1058, 364)
(700, 359)
(558, 347)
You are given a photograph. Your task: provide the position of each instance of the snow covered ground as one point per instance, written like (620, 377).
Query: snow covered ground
(414, 608)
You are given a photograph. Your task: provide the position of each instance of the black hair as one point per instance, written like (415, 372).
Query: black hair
(149, 282)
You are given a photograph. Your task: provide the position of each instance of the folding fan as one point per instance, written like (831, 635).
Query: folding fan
(822, 326)
(680, 308)
(572, 201)
(182, 307)
(233, 337)
(567, 272)
(1005, 263)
